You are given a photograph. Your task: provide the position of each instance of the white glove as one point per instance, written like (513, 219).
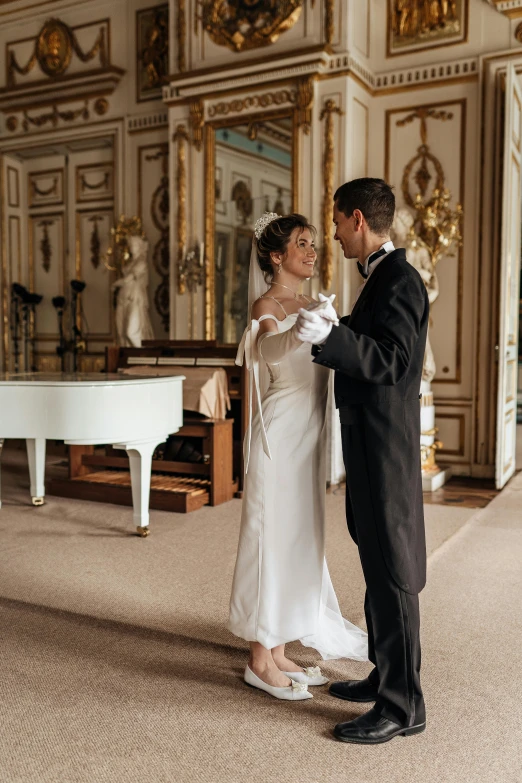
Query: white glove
(312, 328)
(325, 308)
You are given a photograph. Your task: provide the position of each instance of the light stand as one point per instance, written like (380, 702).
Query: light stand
(18, 292)
(61, 348)
(77, 341)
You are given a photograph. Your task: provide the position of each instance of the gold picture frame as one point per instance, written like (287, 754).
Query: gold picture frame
(418, 25)
(152, 51)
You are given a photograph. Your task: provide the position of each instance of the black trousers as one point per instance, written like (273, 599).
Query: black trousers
(392, 615)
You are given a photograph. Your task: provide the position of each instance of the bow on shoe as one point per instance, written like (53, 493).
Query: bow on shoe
(299, 687)
(313, 672)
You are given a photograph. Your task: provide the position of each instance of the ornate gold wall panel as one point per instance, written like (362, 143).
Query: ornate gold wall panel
(92, 234)
(428, 171)
(416, 26)
(47, 269)
(241, 25)
(153, 209)
(45, 188)
(152, 51)
(94, 182)
(54, 47)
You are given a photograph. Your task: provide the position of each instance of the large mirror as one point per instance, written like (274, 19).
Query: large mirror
(253, 173)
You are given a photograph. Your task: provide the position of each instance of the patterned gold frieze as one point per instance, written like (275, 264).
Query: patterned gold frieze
(264, 101)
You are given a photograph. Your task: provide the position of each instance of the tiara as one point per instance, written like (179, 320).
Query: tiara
(263, 222)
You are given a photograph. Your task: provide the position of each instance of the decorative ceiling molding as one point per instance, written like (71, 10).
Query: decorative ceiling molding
(510, 8)
(207, 85)
(145, 122)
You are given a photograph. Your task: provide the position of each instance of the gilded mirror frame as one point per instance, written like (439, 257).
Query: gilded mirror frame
(210, 201)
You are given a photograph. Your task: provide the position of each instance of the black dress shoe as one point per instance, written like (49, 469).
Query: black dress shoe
(372, 729)
(354, 690)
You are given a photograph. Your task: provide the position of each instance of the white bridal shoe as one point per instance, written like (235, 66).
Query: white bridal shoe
(297, 691)
(309, 676)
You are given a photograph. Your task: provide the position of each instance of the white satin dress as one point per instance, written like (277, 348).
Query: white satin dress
(282, 590)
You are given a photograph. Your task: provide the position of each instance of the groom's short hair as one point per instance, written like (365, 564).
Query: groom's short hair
(374, 197)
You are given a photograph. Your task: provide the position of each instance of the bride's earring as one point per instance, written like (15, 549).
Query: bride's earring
(280, 266)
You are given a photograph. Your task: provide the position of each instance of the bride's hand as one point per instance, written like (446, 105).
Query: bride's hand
(325, 308)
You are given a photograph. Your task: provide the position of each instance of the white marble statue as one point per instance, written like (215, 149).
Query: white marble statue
(420, 258)
(132, 307)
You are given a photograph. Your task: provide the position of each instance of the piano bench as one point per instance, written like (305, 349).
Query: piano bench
(175, 486)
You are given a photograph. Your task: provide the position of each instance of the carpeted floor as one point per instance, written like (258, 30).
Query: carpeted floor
(117, 667)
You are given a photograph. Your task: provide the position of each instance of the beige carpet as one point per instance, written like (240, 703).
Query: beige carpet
(117, 667)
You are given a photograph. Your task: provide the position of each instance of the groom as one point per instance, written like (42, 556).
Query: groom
(377, 353)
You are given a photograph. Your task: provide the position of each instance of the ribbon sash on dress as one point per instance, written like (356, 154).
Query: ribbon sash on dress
(248, 352)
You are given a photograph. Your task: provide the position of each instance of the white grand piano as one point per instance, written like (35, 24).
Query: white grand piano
(135, 414)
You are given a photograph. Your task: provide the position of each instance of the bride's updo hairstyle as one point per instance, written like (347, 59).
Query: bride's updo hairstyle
(275, 238)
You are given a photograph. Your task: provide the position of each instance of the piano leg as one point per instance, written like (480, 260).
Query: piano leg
(140, 459)
(36, 459)
(1, 448)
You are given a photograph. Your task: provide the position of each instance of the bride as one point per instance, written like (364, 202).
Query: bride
(282, 590)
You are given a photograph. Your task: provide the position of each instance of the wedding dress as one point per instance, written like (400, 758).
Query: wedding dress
(282, 589)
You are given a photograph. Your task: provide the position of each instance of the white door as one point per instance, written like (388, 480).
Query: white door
(509, 282)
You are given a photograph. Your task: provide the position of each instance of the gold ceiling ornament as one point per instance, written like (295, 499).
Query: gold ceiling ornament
(424, 157)
(248, 24)
(53, 50)
(304, 103)
(118, 252)
(181, 138)
(518, 32)
(197, 122)
(264, 101)
(330, 108)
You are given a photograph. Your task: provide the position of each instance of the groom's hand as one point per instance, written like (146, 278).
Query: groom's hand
(311, 328)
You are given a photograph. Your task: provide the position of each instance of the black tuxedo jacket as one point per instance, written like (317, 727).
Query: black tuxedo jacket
(378, 353)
